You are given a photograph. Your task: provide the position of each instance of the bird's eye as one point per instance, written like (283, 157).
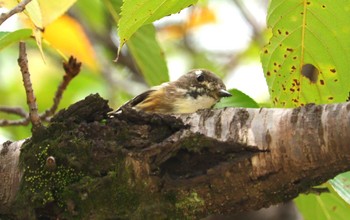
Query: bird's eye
(200, 76)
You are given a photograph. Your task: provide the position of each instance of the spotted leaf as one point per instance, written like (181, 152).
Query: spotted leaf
(307, 58)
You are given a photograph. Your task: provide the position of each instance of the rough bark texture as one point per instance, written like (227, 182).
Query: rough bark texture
(10, 175)
(147, 166)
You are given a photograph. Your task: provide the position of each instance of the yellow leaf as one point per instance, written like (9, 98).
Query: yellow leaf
(37, 33)
(42, 12)
(33, 19)
(68, 37)
(38, 38)
(51, 10)
(34, 13)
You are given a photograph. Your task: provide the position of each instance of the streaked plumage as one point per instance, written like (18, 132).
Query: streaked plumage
(197, 89)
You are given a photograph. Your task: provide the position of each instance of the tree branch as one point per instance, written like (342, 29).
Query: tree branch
(212, 161)
(16, 111)
(72, 69)
(19, 8)
(31, 100)
(5, 122)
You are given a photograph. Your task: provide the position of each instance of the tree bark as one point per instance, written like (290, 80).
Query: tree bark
(10, 175)
(139, 165)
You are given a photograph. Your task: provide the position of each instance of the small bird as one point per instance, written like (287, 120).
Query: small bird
(197, 89)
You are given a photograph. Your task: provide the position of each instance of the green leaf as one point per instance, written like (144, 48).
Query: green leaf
(136, 13)
(238, 99)
(51, 10)
(148, 55)
(308, 34)
(8, 38)
(323, 207)
(341, 185)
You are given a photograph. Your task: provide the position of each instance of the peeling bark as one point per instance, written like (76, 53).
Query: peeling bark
(213, 161)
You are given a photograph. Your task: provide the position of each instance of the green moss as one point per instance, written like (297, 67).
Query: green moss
(101, 198)
(80, 187)
(90, 179)
(190, 205)
(196, 143)
(170, 197)
(75, 188)
(41, 185)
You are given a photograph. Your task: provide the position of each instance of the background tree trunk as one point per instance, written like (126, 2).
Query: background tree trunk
(139, 165)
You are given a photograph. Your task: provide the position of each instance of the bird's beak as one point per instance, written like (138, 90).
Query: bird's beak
(223, 93)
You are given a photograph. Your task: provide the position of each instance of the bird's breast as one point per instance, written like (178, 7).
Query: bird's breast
(189, 104)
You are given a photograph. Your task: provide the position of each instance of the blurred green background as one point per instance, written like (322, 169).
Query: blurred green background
(223, 36)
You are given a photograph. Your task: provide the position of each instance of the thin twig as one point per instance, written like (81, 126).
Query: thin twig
(31, 100)
(20, 112)
(15, 111)
(72, 69)
(19, 8)
(24, 122)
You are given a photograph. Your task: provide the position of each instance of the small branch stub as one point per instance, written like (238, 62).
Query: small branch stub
(72, 69)
(50, 163)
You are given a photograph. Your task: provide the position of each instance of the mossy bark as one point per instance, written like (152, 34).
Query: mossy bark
(86, 165)
(92, 177)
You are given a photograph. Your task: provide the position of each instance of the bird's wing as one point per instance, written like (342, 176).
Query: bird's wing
(143, 96)
(139, 98)
(133, 102)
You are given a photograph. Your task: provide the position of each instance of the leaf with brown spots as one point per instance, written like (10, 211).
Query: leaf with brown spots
(309, 52)
(323, 206)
